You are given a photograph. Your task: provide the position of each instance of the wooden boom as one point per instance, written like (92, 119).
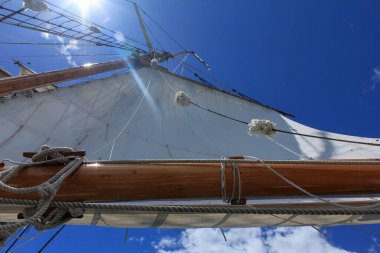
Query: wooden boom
(21, 83)
(123, 182)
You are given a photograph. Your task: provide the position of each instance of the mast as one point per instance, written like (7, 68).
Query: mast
(142, 25)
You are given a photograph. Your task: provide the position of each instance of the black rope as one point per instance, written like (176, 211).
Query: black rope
(162, 29)
(52, 238)
(18, 237)
(204, 81)
(190, 68)
(288, 132)
(126, 235)
(217, 113)
(328, 138)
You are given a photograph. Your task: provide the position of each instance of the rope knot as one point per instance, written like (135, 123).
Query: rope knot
(47, 190)
(261, 127)
(182, 99)
(47, 153)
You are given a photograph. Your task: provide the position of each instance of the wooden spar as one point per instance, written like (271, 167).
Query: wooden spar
(21, 83)
(122, 182)
(142, 25)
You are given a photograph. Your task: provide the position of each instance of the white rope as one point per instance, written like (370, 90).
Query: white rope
(181, 63)
(288, 149)
(27, 241)
(307, 192)
(167, 82)
(132, 117)
(261, 127)
(180, 98)
(113, 141)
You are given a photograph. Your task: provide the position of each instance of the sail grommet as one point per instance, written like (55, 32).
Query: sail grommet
(182, 99)
(261, 127)
(155, 63)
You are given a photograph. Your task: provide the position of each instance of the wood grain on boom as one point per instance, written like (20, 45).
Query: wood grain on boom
(21, 83)
(118, 182)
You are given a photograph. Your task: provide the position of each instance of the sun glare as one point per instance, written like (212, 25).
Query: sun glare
(85, 5)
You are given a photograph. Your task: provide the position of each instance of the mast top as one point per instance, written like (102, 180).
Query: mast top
(143, 28)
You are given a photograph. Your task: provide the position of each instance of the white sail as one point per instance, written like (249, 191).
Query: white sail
(134, 116)
(111, 112)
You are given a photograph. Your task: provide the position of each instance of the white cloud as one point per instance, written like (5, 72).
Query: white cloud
(166, 243)
(45, 35)
(284, 240)
(65, 50)
(375, 247)
(375, 78)
(137, 239)
(119, 37)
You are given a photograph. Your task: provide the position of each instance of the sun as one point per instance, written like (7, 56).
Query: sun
(85, 5)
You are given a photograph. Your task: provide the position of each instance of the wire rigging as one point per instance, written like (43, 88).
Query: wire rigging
(17, 238)
(62, 55)
(158, 25)
(277, 130)
(47, 44)
(56, 21)
(51, 238)
(97, 25)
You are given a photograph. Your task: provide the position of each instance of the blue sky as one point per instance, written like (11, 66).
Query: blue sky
(318, 60)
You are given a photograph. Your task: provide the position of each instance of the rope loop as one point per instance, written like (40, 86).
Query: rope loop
(236, 181)
(42, 216)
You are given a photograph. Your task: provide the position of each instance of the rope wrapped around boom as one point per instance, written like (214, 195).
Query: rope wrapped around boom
(42, 216)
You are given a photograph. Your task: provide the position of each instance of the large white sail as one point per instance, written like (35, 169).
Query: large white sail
(134, 116)
(111, 118)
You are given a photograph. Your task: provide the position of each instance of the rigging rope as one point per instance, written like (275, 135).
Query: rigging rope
(274, 129)
(62, 55)
(62, 24)
(28, 241)
(126, 124)
(225, 209)
(132, 117)
(159, 26)
(309, 193)
(51, 238)
(37, 215)
(17, 238)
